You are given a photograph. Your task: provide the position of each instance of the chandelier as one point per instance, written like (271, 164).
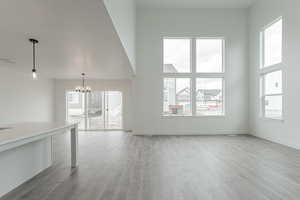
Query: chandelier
(83, 88)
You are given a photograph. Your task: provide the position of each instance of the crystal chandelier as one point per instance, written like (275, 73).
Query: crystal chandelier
(83, 88)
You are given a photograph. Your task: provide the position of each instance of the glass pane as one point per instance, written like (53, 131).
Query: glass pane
(273, 83)
(273, 107)
(209, 55)
(273, 44)
(177, 96)
(209, 96)
(114, 110)
(75, 108)
(176, 55)
(95, 110)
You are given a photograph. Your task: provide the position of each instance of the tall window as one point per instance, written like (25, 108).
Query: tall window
(193, 76)
(271, 71)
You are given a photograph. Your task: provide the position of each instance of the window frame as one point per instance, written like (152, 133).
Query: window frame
(223, 97)
(265, 70)
(191, 96)
(191, 54)
(223, 54)
(262, 44)
(193, 75)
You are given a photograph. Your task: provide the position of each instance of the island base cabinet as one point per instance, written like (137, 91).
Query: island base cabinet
(20, 164)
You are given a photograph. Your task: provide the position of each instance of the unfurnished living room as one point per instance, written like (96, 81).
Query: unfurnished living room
(149, 100)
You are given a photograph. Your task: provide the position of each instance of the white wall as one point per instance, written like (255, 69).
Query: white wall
(123, 15)
(62, 86)
(23, 100)
(261, 14)
(154, 24)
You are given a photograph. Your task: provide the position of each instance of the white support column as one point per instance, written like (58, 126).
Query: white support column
(74, 146)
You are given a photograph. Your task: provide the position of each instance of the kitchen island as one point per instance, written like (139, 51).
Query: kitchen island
(26, 150)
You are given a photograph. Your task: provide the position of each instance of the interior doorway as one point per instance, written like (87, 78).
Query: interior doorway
(98, 110)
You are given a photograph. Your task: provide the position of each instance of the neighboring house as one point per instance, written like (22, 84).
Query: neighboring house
(169, 68)
(202, 95)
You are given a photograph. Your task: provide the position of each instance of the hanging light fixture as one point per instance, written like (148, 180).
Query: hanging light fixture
(34, 42)
(83, 88)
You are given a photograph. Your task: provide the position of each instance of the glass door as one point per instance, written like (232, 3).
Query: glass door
(75, 108)
(98, 110)
(95, 111)
(113, 110)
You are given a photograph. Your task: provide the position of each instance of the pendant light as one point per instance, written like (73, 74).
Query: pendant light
(34, 42)
(83, 88)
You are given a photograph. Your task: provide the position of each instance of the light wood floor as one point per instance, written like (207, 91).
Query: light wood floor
(115, 166)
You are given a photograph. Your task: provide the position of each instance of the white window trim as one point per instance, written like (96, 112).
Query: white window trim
(264, 70)
(193, 75)
(264, 95)
(191, 59)
(262, 44)
(223, 55)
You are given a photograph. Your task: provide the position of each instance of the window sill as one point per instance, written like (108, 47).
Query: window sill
(171, 116)
(193, 116)
(272, 119)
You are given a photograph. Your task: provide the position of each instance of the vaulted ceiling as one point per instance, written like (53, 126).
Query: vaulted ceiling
(75, 36)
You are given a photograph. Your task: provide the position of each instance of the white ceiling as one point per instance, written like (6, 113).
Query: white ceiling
(195, 3)
(75, 36)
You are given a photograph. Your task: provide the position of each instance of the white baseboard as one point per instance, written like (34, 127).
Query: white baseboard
(293, 146)
(191, 133)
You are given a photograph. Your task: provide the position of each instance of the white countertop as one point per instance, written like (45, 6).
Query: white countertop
(23, 131)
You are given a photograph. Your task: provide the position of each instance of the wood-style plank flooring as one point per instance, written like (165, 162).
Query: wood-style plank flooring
(116, 166)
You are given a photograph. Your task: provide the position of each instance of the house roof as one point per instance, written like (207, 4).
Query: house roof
(170, 68)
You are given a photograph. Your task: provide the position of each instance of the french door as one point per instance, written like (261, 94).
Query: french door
(98, 110)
